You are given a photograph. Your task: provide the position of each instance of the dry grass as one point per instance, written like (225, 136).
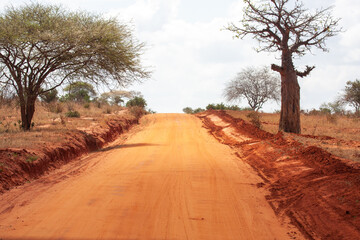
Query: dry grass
(345, 130)
(50, 123)
(341, 127)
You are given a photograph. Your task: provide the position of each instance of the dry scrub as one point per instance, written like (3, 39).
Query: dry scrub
(340, 135)
(50, 122)
(316, 190)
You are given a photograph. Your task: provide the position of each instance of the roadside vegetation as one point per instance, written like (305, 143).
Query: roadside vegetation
(337, 119)
(213, 106)
(43, 47)
(78, 109)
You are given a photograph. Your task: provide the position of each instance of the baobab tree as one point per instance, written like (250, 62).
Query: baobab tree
(44, 46)
(289, 28)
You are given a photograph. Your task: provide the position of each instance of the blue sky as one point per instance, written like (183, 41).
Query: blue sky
(192, 59)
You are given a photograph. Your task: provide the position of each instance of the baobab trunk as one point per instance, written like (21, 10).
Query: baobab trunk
(290, 103)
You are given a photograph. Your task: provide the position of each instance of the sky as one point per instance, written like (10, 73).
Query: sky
(192, 57)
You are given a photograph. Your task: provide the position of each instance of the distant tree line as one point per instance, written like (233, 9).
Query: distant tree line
(84, 93)
(349, 97)
(212, 106)
(257, 90)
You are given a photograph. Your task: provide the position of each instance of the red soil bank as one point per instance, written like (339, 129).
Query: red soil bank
(19, 166)
(318, 191)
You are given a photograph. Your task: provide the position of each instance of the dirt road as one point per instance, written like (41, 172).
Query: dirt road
(171, 180)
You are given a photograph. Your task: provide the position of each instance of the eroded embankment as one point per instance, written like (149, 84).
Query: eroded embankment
(19, 166)
(318, 191)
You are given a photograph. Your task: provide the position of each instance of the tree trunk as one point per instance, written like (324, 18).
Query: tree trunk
(290, 95)
(27, 113)
(290, 103)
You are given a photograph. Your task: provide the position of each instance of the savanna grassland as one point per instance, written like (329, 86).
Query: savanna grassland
(338, 134)
(51, 122)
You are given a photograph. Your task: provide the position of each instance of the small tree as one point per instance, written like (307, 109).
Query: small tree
(352, 94)
(256, 85)
(116, 97)
(292, 31)
(198, 110)
(336, 107)
(137, 102)
(49, 96)
(79, 92)
(188, 110)
(42, 46)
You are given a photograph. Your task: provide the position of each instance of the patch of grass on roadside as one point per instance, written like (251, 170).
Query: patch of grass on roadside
(31, 158)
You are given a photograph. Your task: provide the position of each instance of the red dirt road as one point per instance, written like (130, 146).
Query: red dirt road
(171, 180)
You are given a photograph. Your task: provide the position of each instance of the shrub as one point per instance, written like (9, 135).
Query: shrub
(136, 102)
(55, 107)
(234, 108)
(222, 106)
(137, 111)
(87, 105)
(31, 158)
(150, 111)
(210, 106)
(188, 110)
(73, 114)
(199, 110)
(254, 118)
(49, 96)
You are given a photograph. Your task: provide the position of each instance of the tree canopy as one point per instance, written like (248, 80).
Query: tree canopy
(79, 91)
(42, 46)
(137, 102)
(256, 85)
(116, 97)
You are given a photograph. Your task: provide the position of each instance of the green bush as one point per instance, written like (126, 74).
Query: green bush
(31, 158)
(49, 96)
(222, 106)
(199, 110)
(72, 114)
(188, 110)
(136, 102)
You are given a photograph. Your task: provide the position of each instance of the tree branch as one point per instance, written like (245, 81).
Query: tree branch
(306, 72)
(277, 68)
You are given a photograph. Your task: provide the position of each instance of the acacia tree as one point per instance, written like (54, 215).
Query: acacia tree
(257, 86)
(291, 30)
(79, 91)
(42, 46)
(117, 97)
